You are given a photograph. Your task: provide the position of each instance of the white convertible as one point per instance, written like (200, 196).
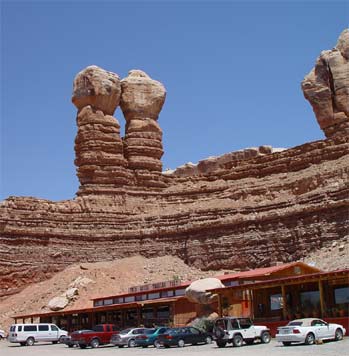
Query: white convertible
(308, 330)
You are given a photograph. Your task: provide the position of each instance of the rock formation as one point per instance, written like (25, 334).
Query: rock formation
(141, 101)
(198, 291)
(327, 88)
(238, 213)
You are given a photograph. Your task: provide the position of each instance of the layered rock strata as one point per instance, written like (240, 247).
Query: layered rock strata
(239, 214)
(327, 88)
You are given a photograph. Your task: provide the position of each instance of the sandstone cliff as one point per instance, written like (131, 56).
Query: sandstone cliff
(240, 212)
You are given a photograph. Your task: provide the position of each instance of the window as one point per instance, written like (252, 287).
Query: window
(43, 327)
(118, 300)
(179, 292)
(310, 299)
(98, 328)
(98, 303)
(29, 328)
(108, 301)
(194, 331)
(164, 312)
(245, 323)
(54, 328)
(153, 295)
(20, 328)
(130, 299)
(341, 295)
(276, 302)
(167, 293)
(147, 313)
(141, 297)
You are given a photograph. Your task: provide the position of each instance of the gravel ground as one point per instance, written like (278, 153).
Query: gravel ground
(327, 349)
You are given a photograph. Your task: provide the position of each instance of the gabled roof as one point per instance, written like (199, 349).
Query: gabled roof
(266, 271)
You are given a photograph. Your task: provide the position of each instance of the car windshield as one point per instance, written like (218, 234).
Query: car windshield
(126, 331)
(295, 323)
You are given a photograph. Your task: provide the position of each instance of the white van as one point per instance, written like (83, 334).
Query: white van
(28, 334)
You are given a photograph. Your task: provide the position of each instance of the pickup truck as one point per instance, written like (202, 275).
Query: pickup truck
(99, 335)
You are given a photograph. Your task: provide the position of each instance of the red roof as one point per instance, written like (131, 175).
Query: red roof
(266, 271)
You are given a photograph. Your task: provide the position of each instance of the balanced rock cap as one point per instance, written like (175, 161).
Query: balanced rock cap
(142, 97)
(97, 87)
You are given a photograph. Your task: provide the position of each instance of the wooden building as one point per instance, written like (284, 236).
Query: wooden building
(266, 294)
(277, 299)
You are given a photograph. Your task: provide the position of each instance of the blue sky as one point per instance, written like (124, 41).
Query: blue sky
(232, 70)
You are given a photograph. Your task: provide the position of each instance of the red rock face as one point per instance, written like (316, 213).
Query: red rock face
(242, 210)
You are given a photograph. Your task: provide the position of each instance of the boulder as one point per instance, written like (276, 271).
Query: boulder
(97, 87)
(58, 303)
(198, 291)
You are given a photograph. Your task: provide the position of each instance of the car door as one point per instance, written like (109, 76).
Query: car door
(321, 329)
(247, 330)
(54, 332)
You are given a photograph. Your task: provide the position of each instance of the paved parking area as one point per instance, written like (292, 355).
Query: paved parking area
(273, 349)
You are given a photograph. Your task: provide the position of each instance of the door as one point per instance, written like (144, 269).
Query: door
(322, 329)
(44, 333)
(54, 333)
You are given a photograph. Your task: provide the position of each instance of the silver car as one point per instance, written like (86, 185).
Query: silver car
(127, 337)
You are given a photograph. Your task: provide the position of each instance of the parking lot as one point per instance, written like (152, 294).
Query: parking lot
(273, 349)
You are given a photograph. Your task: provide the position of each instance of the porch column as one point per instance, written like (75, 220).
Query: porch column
(251, 303)
(138, 315)
(220, 313)
(322, 300)
(284, 302)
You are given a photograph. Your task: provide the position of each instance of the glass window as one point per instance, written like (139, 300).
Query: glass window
(141, 297)
(147, 313)
(153, 295)
(194, 331)
(310, 299)
(98, 303)
(29, 328)
(43, 327)
(164, 312)
(54, 328)
(118, 300)
(341, 295)
(245, 323)
(108, 301)
(20, 328)
(275, 302)
(179, 292)
(98, 328)
(130, 299)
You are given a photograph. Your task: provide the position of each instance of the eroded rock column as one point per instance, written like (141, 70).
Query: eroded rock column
(327, 88)
(98, 145)
(141, 101)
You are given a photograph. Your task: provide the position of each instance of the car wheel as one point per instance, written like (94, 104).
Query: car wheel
(181, 343)
(310, 339)
(132, 343)
(286, 343)
(237, 340)
(265, 337)
(30, 341)
(221, 343)
(157, 344)
(208, 340)
(61, 339)
(94, 343)
(338, 335)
